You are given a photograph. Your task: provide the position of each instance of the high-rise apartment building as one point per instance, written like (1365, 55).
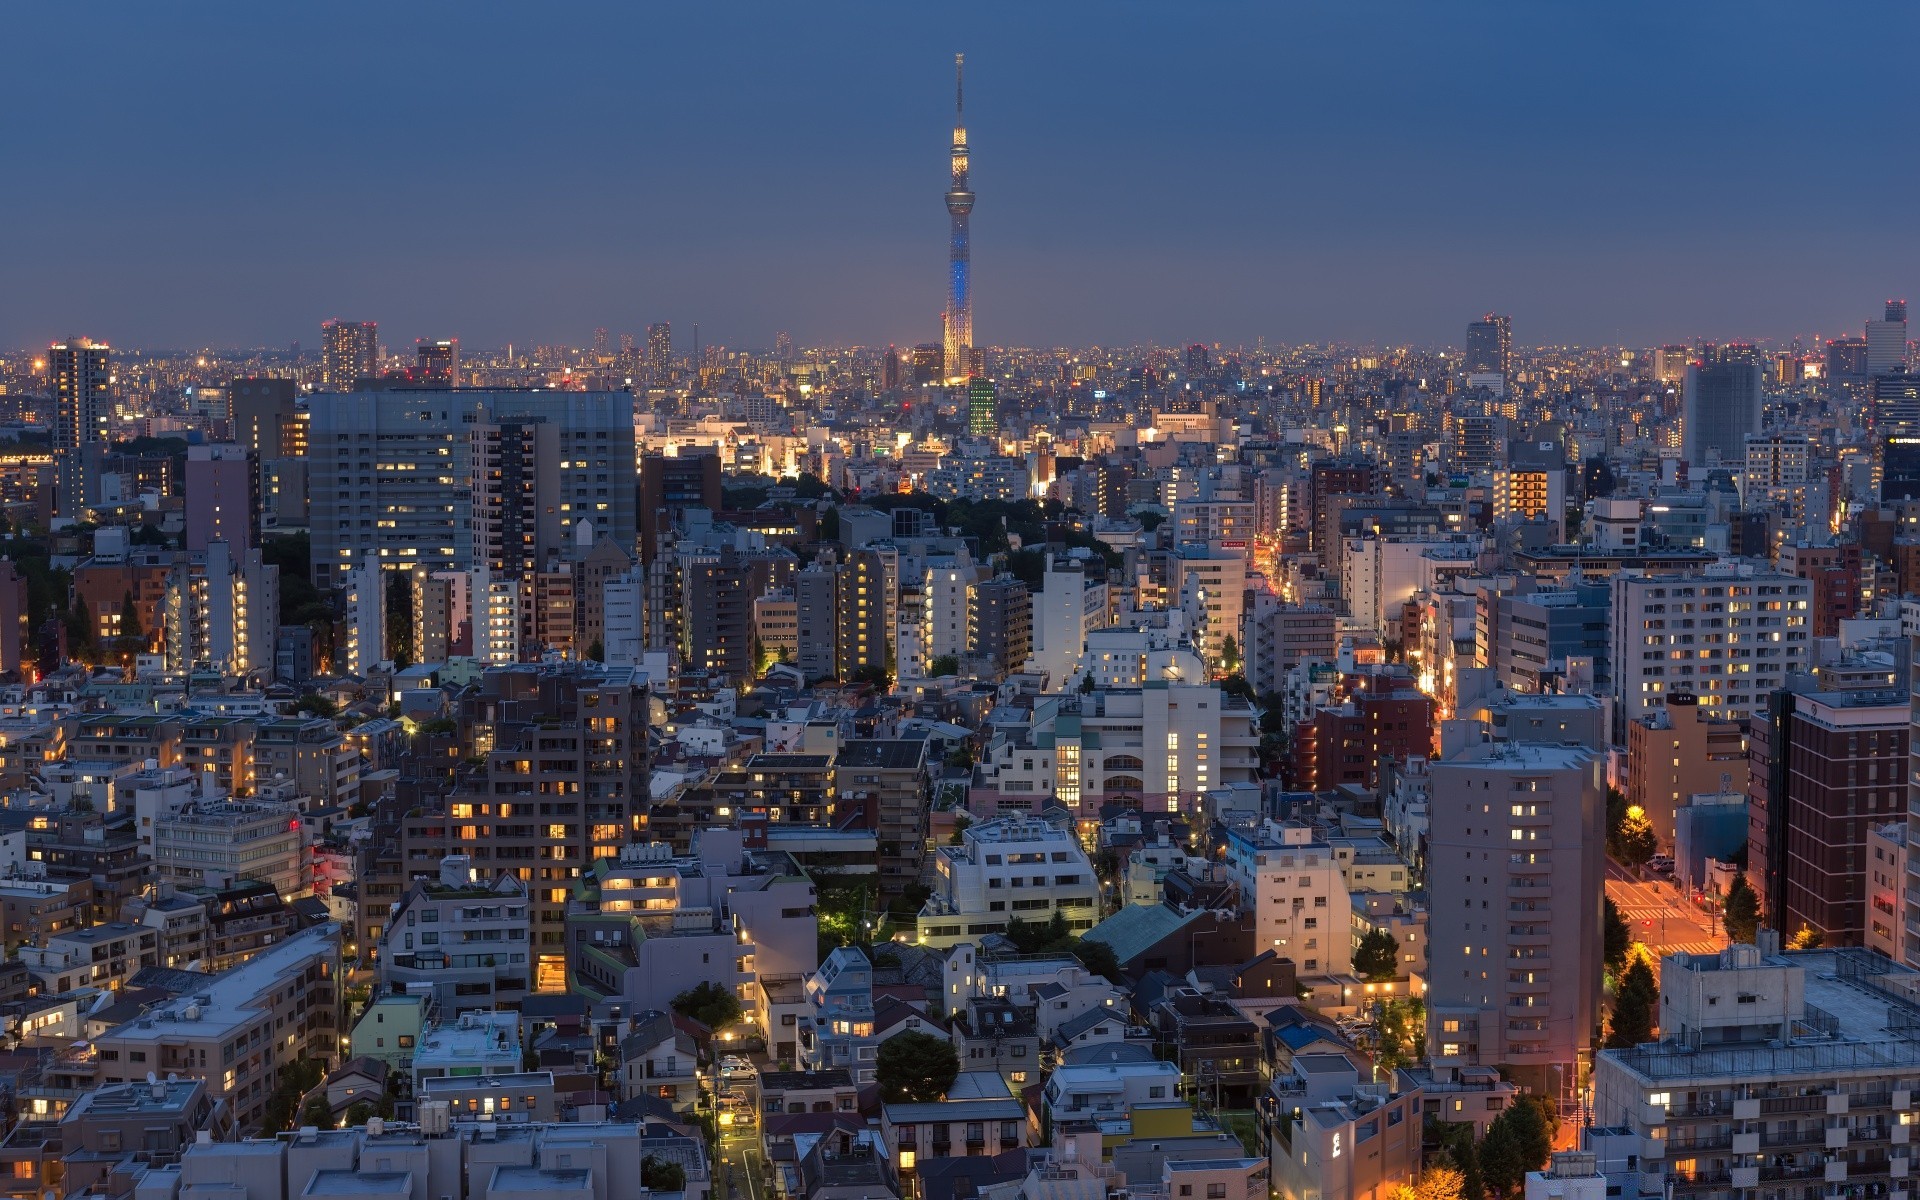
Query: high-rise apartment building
(1000, 625)
(660, 352)
(1825, 768)
(1721, 406)
(81, 375)
(1887, 340)
(1516, 868)
(349, 353)
(1490, 346)
(981, 419)
(223, 496)
(1728, 636)
(863, 631)
(564, 784)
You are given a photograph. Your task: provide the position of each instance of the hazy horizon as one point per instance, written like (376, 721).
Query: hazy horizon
(232, 175)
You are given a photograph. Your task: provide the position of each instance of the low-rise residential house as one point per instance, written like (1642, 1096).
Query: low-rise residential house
(515, 1097)
(838, 1030)
(992, 1034)
(97, 956)
(978, 1117)
(1328, 1132)
(476, 1043)
(808, 1092)
(1092, 1090)
(659, 1061)
(1215, 1043)
(390, 1029)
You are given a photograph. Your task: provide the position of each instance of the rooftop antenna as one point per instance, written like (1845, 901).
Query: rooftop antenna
(959, 87)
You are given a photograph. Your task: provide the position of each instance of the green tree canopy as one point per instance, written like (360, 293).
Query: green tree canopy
(1633, 1007)
(1616, 939)
(915, 1066)
(1378, 956)
(1742, 910)
(710, 1004)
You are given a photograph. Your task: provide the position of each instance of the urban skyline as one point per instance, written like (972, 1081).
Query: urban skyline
(1285, 204)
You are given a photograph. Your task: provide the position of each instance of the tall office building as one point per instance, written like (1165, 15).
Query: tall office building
(1490, 346)
(82, 378)
(669, 485)
(981, 421)
(1670, 363)
(349, 353)
(438, 362)
(660, 351)
(392, 472)
(1720, 407)
(1887, 340)
(929, 363)
(959, 339)
(1516, 868)
(1895, 413)
(1825, 768)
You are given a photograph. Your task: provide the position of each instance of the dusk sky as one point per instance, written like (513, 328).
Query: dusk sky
(233, 174)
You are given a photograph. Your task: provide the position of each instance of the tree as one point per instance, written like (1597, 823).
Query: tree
(1378, 956)
(1741, 912)
(961, 823)
(318, 1113)
(1501, 1167)
(130, 619)
(1437, 1182)
(710, 1004)
(662, 1175)
(1808, 938)
(1528, 1123)
(1631, 1022)
(1229, 656)
(315, 704)
(1086, 685)
(1616, 939)
(915, 1066)
(1616, 816)
(358, 1112)
(1099, 959)
(399, 601)
(943, 665)
(1637, 840)
(1150, 520)
(597, 652)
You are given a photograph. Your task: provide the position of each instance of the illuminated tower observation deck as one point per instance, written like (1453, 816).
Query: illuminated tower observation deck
(959, 342)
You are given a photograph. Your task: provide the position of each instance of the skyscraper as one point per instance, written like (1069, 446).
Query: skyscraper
(1490, 346)
(439, 362)
(1887, 340)
(349, 352)
(1895, 413)
(981, 421)
(959, 341)
(79, 372)
(1721, 406)
(660, 351)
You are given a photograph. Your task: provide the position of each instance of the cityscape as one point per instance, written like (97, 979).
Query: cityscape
(717, 763)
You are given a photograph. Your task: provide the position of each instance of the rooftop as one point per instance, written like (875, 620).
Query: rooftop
(228, 1000)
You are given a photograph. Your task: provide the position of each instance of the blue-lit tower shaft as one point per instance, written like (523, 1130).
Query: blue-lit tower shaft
(959, 340)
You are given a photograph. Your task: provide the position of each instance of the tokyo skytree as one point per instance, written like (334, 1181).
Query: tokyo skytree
(959, 340)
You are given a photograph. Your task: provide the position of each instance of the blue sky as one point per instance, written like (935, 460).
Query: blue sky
(233, 174)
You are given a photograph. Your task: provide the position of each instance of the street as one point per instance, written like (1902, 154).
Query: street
(1660, 916)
